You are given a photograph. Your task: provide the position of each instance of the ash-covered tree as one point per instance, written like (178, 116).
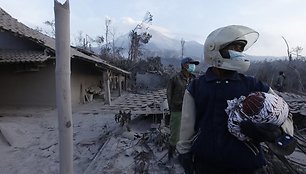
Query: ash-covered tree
(139, 36)
(86, 42)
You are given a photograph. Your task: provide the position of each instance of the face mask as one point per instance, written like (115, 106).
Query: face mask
(191, 68)
(235, 55)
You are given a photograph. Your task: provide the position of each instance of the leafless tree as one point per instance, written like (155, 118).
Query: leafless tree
(39, 29)
(79, 39)
(108, 21)
(99, 41)
(52, 26)
(288, 52)
(182, 46)
(116, 50)
(85, 42)
(111, 50)
(297, 50)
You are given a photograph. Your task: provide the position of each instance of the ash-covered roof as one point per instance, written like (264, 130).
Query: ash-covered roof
(10, 56)
(10, 24)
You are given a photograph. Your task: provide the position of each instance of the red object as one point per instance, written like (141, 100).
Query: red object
(253, 104)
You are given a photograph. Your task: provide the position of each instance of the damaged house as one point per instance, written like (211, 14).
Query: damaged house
(27, 69)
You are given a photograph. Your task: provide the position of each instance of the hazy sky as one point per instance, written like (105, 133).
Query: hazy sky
(190, 20)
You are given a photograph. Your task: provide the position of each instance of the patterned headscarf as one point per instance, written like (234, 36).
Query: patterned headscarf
(258, 107)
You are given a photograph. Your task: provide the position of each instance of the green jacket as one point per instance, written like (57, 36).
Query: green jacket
(176, 89)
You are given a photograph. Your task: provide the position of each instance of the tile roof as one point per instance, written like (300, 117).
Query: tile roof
(11, 24)
(9, 56)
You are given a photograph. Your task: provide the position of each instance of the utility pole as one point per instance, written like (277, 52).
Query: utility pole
(63, 86)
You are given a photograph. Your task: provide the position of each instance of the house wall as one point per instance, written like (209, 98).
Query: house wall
(31, 86)
(85, 75)
(27, 88)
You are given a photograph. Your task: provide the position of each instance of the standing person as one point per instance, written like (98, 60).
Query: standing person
(205, 143)
(280, 82)
(175, 92)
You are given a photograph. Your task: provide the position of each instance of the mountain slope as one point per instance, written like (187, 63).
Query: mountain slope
(166, 47)
(163, 46)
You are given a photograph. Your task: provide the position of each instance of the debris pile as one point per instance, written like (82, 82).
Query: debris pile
(135, 152)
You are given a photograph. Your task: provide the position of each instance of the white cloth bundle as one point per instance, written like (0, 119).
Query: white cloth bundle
(258, 107)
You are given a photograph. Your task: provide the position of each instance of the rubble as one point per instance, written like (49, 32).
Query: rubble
(106, 143)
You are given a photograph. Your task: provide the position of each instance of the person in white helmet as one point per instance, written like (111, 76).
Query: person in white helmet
(205, 144)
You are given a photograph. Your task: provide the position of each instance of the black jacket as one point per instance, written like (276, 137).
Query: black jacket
(214, 144)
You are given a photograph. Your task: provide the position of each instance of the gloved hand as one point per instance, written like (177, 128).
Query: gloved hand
(284, 145)
(186, 160)
(260, 132)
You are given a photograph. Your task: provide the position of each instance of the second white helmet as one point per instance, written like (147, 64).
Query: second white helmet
(221, 38)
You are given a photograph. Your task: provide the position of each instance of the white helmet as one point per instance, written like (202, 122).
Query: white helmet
(222, 37)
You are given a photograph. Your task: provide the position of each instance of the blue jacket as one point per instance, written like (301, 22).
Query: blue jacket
(214, 144)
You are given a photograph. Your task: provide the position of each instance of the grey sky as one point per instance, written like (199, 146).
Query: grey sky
(191, 20)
